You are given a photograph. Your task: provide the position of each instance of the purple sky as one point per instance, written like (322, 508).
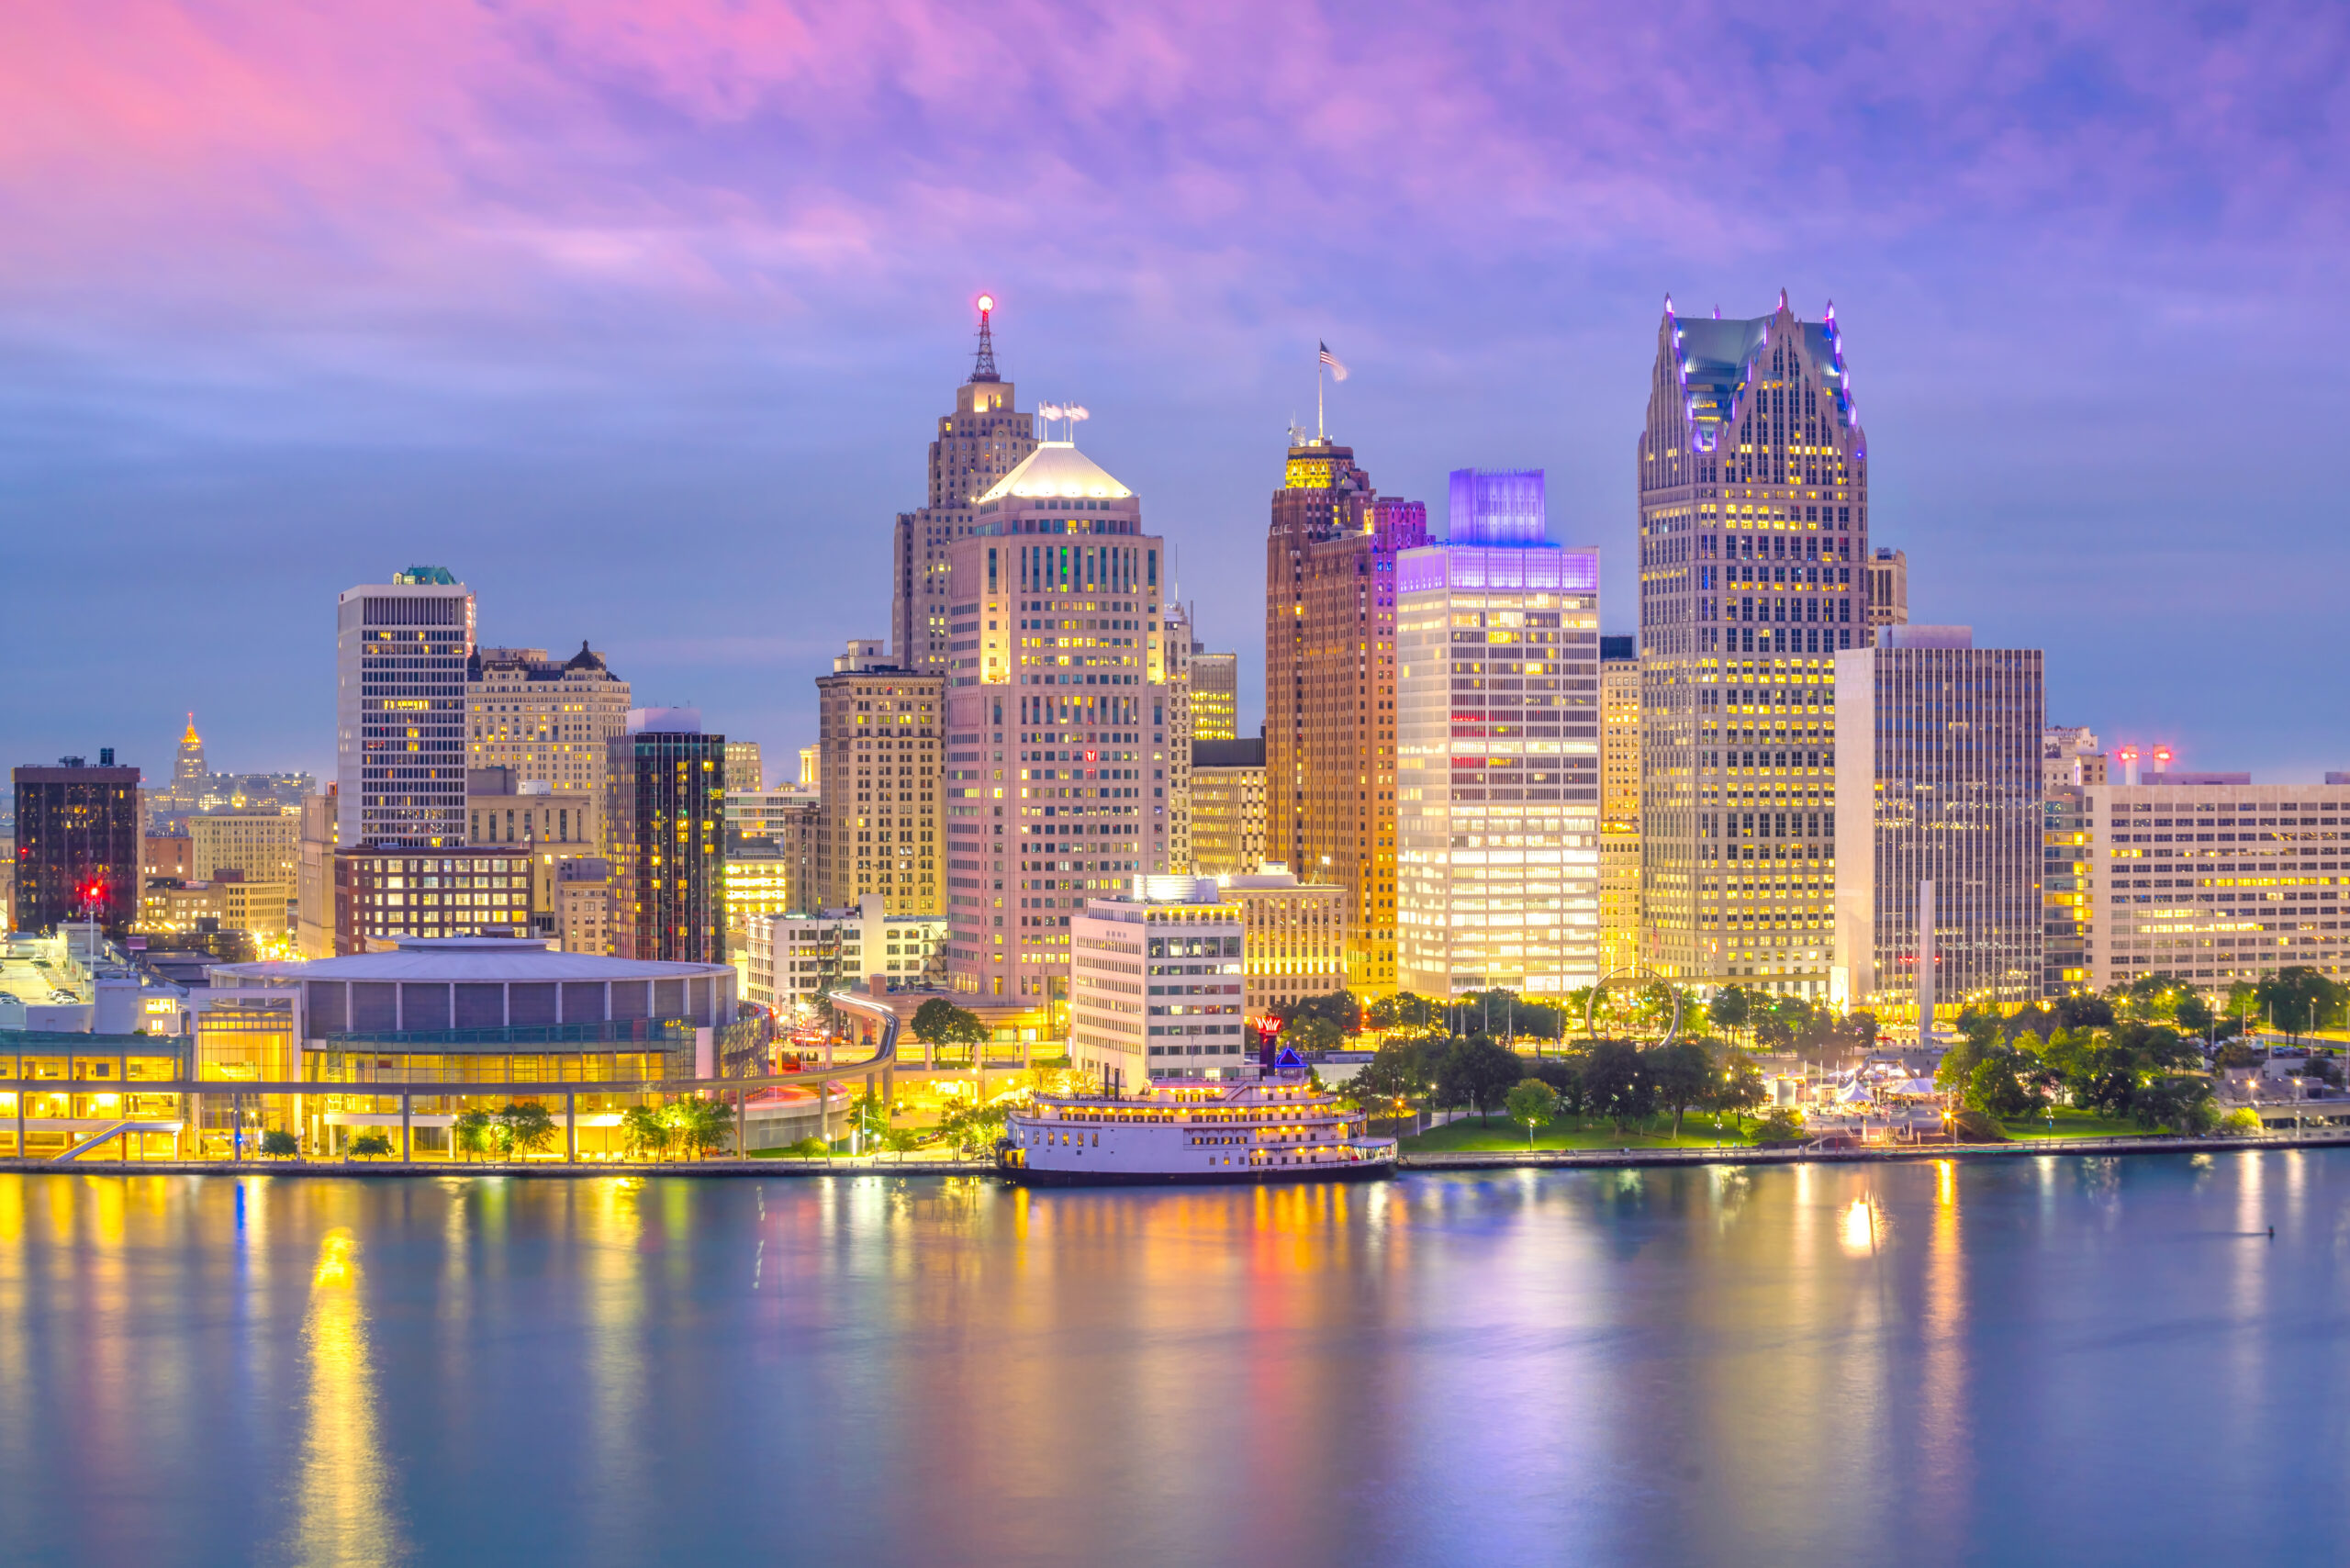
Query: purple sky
(637, 316)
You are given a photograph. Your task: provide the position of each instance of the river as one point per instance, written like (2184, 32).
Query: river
(2063, 1360)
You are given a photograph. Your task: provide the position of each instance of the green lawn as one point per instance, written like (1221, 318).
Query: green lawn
(1501, 1137)
(2071, 1123)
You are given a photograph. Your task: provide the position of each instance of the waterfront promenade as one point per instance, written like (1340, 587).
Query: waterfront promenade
(921, 1165)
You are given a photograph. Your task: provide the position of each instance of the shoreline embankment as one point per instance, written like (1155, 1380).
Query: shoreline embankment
(1535, 1160)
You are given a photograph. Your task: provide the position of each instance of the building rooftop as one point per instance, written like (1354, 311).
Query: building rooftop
(1249, 753)
(1056, 468)
(484, 960)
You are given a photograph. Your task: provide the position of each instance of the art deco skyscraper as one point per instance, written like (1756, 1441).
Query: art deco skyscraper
(1754, 485)
(1057, 774)
(984, 439)
(1331, 691)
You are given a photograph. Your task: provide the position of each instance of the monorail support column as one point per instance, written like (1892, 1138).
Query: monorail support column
(408, 1136)
(571, 1126)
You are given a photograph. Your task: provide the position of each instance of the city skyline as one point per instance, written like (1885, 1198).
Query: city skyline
(747, 353)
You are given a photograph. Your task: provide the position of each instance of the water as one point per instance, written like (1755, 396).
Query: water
(2075, 1360)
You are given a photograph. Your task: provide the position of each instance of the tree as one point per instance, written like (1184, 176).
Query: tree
(2242, 1121)
(1402, 1011)
(1730, 1009)
(1682, 1074)
(1314, 1032)
(2194, 1014)
(644, 1131)
(279, 1143)
(1783, 1125)
(1739, 1089)
(1994, 1089)
(1477, 1072)
(698, 1124)
(1615, 1082)
(1337, 1008)
(2082, 1011)
(1971, 1126)
(939, 1022)
(2181, 1102)
(2296, 999)
(1531, 1103)
(473, 1130)
(528, 1127)
(375, 1145)
(1398, 1072)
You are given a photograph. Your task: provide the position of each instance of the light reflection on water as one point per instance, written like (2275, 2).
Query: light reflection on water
(1932, 1362)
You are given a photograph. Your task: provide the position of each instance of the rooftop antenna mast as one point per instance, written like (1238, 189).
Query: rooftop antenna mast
(983, 369)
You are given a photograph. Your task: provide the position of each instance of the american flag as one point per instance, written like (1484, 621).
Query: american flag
(1338, 370)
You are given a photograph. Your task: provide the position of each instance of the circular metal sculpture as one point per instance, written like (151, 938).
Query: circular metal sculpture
(1635, 975)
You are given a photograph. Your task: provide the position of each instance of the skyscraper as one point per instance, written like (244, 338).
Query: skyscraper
(984, 439)
(878, 819)
(78, 833)
(1057, 776)
(1331, 691)
(549, 720)
(666, 823)
(1498, 749)
(401, 649)
(1178, 646)
(1937, 827)
(1229, 806)
(1754, 485)
(1619, 802)
(1215, 695)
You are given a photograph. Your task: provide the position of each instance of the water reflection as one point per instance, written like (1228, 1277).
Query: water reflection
(342, 1512)
(1927, 1363)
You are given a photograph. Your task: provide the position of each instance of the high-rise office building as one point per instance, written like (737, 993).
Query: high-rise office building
(549, 719)
(879, 824)
(984, 439)
(1888, 587)
(2068, 889)
(401, 649)
(787, 818)
(1215, 695)
(78, 840)
(2217, 882)
(1619, 803)
(1228, 807)
(812, 766)
(664, 818)
(1180, 646)
(1057, 776)
(1498, 749)
(1330, 690)
(743, 768)
(1938, 830)
(1753, 486)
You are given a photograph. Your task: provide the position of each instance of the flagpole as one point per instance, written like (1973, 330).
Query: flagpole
(1319, 433)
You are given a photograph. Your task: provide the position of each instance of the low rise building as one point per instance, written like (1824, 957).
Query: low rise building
(583, 905)
(1296, 936)
(381, 895)
(793, 960)
(1155, 984)
(2216, 882)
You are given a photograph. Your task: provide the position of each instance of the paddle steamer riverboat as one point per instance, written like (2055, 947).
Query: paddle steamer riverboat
(1273, 1127)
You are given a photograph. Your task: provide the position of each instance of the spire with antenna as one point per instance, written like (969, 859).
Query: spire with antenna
(983, 369)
